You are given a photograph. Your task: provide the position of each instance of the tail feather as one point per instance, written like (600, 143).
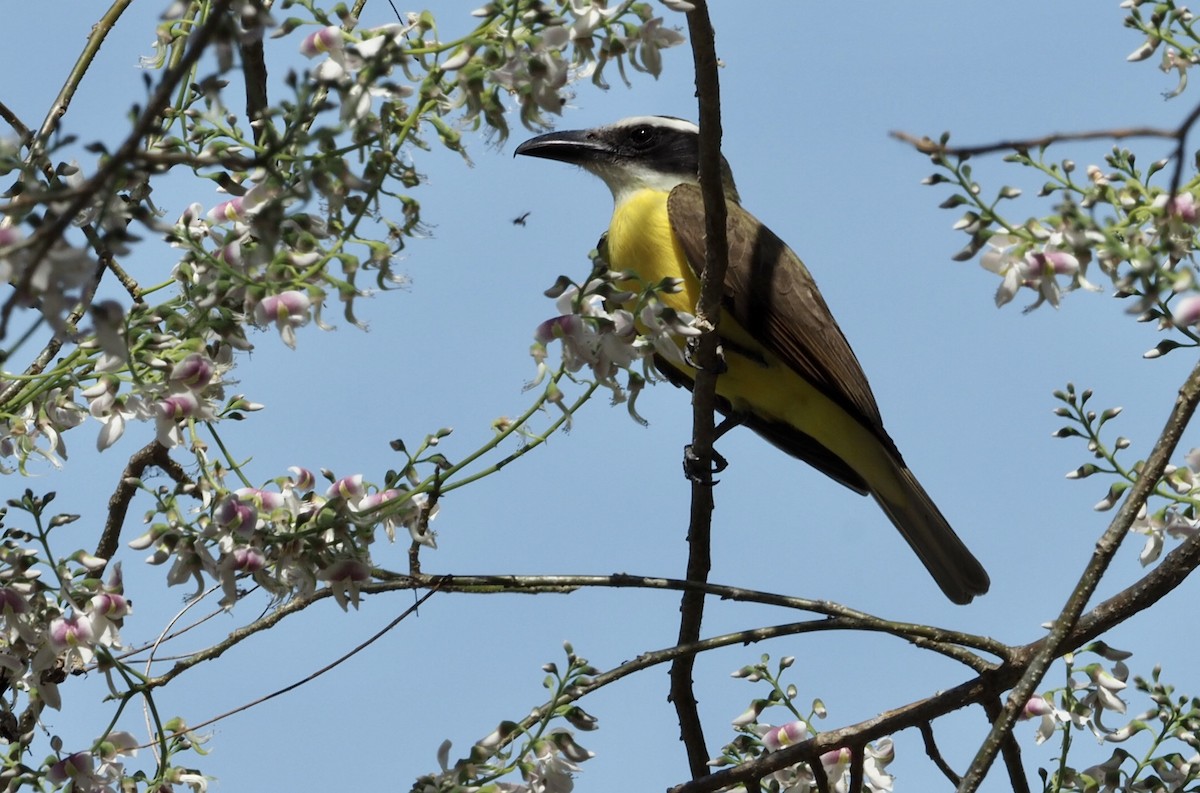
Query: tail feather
(953, 567)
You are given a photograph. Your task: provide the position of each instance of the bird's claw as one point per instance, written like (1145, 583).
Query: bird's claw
(696, 471)
(689, 356)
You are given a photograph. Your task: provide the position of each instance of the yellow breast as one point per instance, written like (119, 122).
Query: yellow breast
(640, 240)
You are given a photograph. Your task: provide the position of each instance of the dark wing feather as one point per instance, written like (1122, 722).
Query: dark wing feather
(770, 293)
(779, 434)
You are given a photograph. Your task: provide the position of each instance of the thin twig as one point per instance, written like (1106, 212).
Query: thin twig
(254, 72)
(927, 145)
(84, 62)
(313, 676)
(99, 182)
(14, 121)
(935, 754)
(857, 757)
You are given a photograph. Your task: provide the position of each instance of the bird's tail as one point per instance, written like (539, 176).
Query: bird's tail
(953, 567)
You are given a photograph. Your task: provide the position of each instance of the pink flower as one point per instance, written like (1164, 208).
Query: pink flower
(288, 310)
(325, 40)
(249, 560)
(69, 632)
(302, 477)
(238, 516)
(349, 488)
(1187, 311)
(78, 768)
(791, 733)
(195, 371)
(74, 636)
(344, 577)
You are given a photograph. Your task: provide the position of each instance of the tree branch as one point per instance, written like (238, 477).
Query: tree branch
(704, 399)
(152, 454)
(927, 145)
(1060, 637)
(935, 754)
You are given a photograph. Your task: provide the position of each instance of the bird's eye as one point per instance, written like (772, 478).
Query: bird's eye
(641, 136)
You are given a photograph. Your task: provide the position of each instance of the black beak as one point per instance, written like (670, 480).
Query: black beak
(572, 146)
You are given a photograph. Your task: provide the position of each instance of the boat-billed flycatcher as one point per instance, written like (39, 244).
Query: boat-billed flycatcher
(790, 373)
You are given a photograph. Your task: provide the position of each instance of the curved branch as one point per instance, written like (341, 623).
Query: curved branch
(935, 754)
(152, 454)
(927, 145)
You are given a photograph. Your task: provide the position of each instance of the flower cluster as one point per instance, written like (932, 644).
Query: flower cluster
(606, 328)
(1166, 22)
(56, 616)
(54, 279)
(347, 58)
(1179, 485)
(534, 65)
(1145, 244)
(1176, 520)
(232, 249)
(1094, 692)
(102, 769)
(98, 771)
(35, 431)
(547, 759)
(1038, 267)
(757, 737)
(1091, 691)
(286, 537)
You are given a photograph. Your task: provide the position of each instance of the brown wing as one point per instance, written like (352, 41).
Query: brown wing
(770, 293)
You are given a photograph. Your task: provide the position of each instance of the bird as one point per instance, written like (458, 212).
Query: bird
(789, 373)
(519, 220)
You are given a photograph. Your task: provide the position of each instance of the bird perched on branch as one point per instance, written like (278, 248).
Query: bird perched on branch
(790, 373)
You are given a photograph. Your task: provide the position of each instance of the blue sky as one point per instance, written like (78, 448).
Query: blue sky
(809, 94)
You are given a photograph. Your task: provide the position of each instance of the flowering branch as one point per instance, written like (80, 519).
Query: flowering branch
(926, 145)
(150, 116)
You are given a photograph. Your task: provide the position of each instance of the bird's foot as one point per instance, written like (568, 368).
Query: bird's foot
(689, 356)
(697, 471)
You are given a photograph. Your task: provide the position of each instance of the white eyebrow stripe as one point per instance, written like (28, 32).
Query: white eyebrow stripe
(665, 122)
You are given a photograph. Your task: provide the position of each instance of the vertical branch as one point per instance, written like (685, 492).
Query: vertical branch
(708, 361)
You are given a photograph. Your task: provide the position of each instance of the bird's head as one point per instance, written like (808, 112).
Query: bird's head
(642, 152)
